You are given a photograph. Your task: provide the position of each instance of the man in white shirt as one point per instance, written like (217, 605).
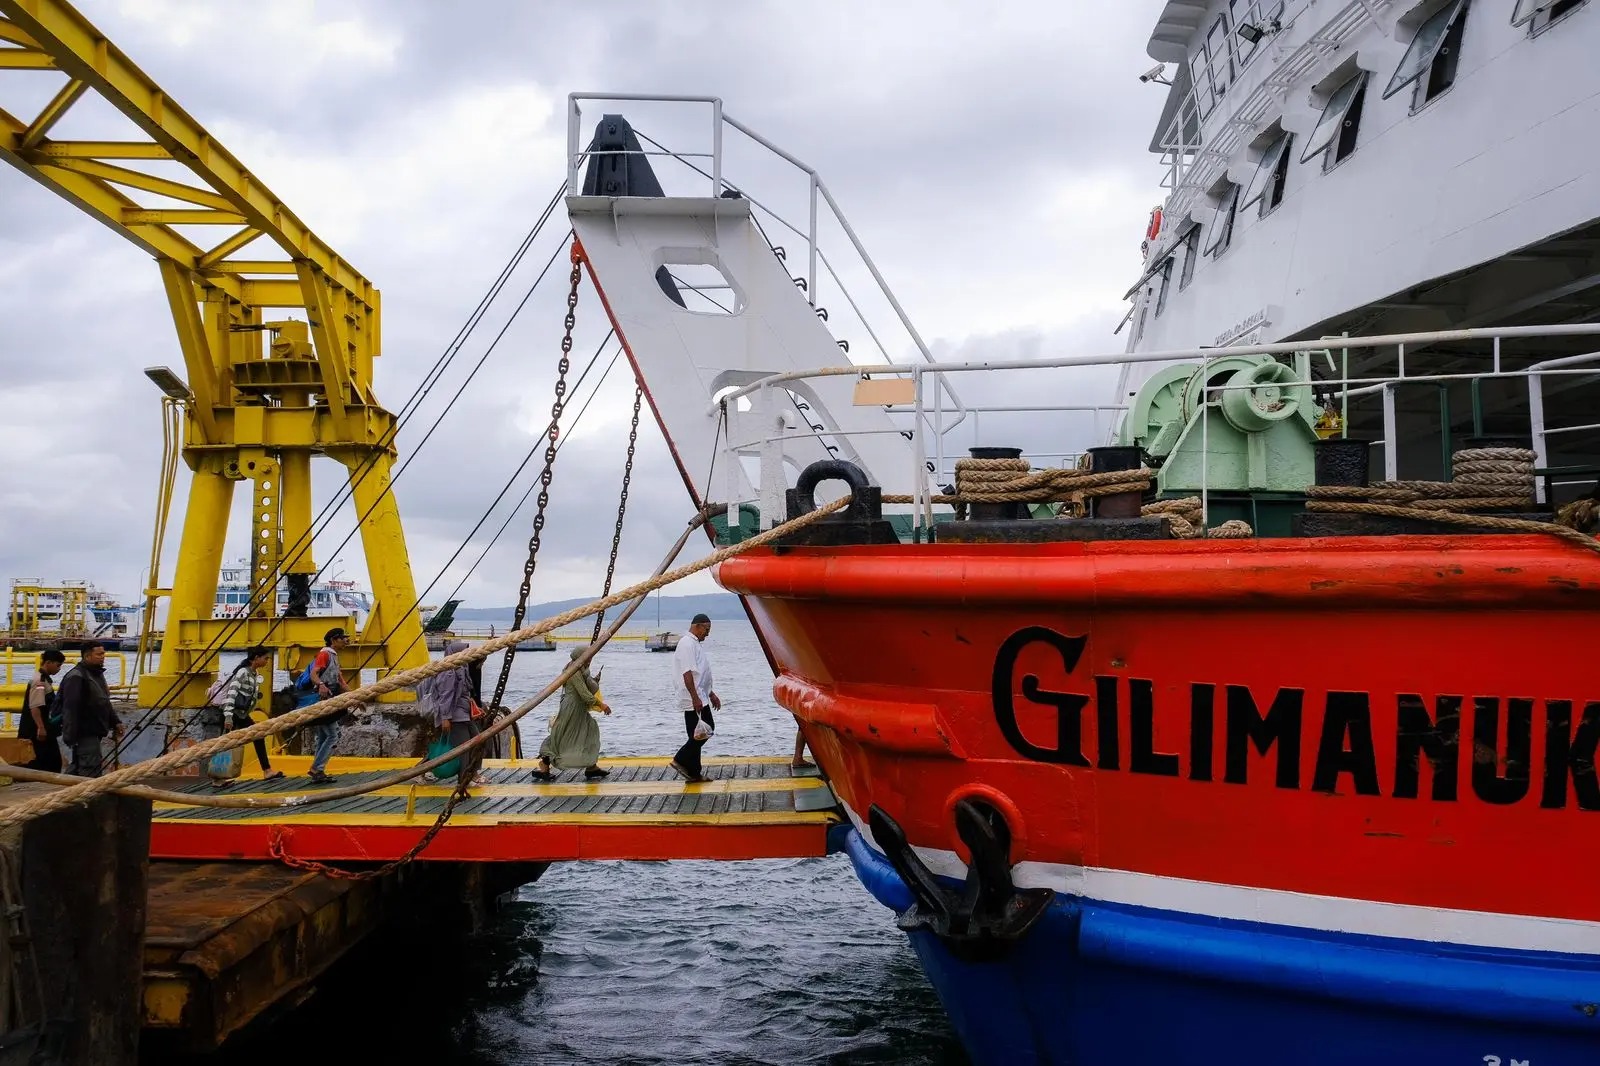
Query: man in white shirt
(691, 670)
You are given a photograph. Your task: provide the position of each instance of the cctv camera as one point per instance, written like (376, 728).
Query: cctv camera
(1154, 73)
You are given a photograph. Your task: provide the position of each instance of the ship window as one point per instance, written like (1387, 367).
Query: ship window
(1163, 282)
(1432, 52)
(1542, 13)
(1220, 55)
(1204, 101)
(1222, 225)
(1191, 252)
(1340, 117)
(1267, 183)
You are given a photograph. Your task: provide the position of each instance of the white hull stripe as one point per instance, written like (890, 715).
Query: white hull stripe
(1301, 910)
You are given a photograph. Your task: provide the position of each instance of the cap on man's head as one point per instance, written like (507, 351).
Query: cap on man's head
(333, 634)
(699, 619)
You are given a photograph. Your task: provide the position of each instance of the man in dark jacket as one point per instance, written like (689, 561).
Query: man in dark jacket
(87, 715)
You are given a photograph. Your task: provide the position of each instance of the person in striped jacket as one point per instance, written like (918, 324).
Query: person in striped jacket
(230, 708)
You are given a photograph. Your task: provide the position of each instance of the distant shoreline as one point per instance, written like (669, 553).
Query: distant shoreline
(675, 610)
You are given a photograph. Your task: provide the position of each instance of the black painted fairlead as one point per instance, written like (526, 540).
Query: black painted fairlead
(986, 919)
(861, 521)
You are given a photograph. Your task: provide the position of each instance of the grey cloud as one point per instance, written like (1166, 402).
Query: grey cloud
(948, 136)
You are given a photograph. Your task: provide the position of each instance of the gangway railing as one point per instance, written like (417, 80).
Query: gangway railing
(818, 196)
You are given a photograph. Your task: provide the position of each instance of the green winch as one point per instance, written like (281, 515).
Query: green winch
(1240, 423)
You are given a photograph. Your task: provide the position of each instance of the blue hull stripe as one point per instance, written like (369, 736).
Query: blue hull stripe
(1074, 990)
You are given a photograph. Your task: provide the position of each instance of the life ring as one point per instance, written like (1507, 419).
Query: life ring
(1154, 229)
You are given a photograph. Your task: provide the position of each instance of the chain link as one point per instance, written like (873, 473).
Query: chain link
(276, 849)
(545, 475)
(622, 508)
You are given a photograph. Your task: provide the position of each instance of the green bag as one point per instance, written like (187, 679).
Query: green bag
(440, 745)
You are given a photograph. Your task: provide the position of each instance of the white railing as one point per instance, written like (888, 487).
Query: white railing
(1194, 167)
(928, 446)
(818, 195)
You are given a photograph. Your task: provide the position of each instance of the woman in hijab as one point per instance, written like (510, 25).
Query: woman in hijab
(448, 698)
(574, 738)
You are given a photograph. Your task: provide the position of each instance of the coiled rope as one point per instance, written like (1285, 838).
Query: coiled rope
(1014, 481)
(84, 790)
(1485, 479)
(1187, 518)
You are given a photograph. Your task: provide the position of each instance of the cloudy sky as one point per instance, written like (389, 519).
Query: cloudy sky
(992, 157)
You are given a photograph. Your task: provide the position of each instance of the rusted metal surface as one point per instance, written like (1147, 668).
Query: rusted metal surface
(226, 941)
(82, 897)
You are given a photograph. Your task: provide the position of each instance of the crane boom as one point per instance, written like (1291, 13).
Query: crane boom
(257, 408)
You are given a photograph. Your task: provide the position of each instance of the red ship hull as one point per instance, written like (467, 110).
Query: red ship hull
(1349, 733)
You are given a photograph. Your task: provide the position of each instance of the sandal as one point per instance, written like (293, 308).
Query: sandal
(543, 775)
(594, 773)
(273, 776)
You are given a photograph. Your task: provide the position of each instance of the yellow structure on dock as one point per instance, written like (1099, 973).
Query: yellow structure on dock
(263, 391)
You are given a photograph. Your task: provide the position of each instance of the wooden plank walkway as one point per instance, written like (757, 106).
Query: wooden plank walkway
(754, 807)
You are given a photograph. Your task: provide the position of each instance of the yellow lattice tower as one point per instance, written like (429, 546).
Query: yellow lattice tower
(266, 391)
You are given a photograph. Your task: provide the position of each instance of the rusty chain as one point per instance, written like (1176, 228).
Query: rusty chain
(622, 509)
(545, 474)
(275, 846)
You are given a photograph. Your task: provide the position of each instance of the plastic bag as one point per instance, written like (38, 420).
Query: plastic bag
(225, 764)
(703, 730)
(440, 745)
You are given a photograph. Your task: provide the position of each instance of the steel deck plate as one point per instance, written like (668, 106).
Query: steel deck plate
(754, 807)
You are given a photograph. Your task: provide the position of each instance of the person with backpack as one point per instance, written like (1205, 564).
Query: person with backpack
(323, 680)
(41, 724)
(87, 714)
(228, 706)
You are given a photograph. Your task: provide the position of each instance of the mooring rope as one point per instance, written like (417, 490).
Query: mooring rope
(84, 790)
(1484, 479)
(1014, 481)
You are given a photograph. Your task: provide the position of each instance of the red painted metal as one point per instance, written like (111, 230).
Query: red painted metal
(503, 842)
(889, 655)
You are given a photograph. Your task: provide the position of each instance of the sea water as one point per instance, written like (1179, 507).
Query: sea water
(688, 963)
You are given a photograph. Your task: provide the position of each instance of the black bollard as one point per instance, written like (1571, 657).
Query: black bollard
(1341, 461)
(1109, 458)
(993, 511)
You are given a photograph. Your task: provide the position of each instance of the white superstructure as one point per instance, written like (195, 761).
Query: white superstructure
(1376, 167)
(327, 598)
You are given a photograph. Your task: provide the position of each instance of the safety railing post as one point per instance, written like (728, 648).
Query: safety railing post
(1391, 459)
(574, 117)
(716, 146)
(811, 274)
(921, 506)
(1541, 450)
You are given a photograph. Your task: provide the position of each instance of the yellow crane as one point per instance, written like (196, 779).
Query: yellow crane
(278, 335)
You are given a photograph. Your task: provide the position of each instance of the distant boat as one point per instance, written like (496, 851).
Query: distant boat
(325, 598)
(540, 643)
(65, 616)
(661, 640)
